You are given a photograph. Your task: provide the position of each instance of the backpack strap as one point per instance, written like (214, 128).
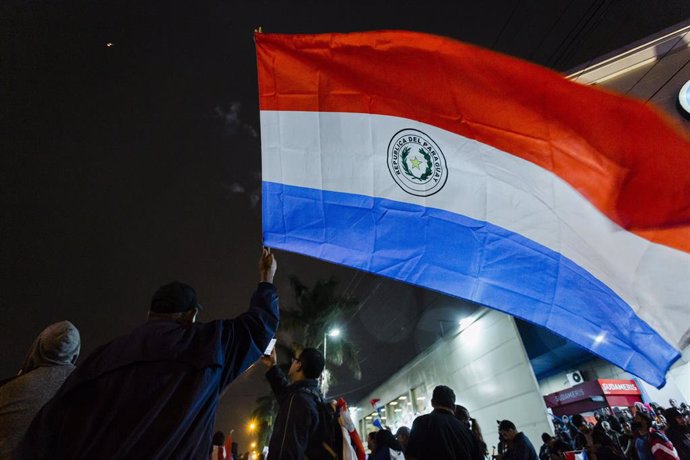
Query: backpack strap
(313, 392)
(323, 428)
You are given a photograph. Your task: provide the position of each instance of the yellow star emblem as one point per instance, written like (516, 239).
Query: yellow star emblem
(415, 163)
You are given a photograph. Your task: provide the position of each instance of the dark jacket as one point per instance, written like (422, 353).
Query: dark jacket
(544, 453)
(680, 437)
(441, 436)
(152, 394)
(521, 449)
(296, 424)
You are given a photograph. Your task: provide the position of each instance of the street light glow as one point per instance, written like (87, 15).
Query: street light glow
(251, 426)
(335, 332)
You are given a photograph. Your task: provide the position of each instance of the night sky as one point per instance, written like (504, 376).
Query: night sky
(126, 166)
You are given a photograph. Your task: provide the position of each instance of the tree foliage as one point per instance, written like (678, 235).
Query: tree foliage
(315, 311)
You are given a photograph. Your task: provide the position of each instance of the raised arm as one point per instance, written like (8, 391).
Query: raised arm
(246, 337)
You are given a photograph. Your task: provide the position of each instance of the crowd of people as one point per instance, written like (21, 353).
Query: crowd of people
(651, 433)
(448, 432)
(154, 393)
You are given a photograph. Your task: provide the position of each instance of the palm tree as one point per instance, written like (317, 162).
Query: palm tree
(263, 415)
(315, 312)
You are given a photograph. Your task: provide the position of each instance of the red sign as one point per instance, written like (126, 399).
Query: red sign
(618, 387)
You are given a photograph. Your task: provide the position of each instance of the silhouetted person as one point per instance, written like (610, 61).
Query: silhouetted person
(462, 414)
(403, 436)
(439, 435)
(218, 451)
(387, 447)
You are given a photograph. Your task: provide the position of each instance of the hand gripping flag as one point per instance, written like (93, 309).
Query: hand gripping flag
(484, 177)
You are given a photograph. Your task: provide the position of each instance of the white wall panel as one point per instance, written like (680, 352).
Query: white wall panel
(487, 367)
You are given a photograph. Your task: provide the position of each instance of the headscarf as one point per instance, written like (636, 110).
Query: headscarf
(57, 345)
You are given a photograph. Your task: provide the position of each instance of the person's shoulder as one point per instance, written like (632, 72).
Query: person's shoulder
(421, 418)
(212, 325)
(303, 401)
(307, 395)
(422, 422)
(446, 418)
(524, 437)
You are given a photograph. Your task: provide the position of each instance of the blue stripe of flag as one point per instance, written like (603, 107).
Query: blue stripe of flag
(466, 258)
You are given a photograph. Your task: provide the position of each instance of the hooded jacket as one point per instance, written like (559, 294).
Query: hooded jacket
(49, 361)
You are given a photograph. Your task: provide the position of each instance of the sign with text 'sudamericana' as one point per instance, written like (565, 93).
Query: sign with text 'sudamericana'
(618, 387)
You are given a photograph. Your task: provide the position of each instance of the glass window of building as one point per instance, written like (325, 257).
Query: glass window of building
(420, 402)
(400, 412)
(367, 426)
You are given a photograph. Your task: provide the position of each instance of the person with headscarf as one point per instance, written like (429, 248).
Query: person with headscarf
(49, 361)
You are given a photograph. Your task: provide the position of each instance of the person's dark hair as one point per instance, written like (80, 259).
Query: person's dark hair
(645, 416)
(312, 362)
(443, 396)
(577, 420)
(218, 438)
(385, 439)
(462, 414)
(477, 432)
(670, 414)
(402, 431)
(546, 437)
(505, 425)
(174, 297)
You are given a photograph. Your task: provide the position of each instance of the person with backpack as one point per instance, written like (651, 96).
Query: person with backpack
(296, 434)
